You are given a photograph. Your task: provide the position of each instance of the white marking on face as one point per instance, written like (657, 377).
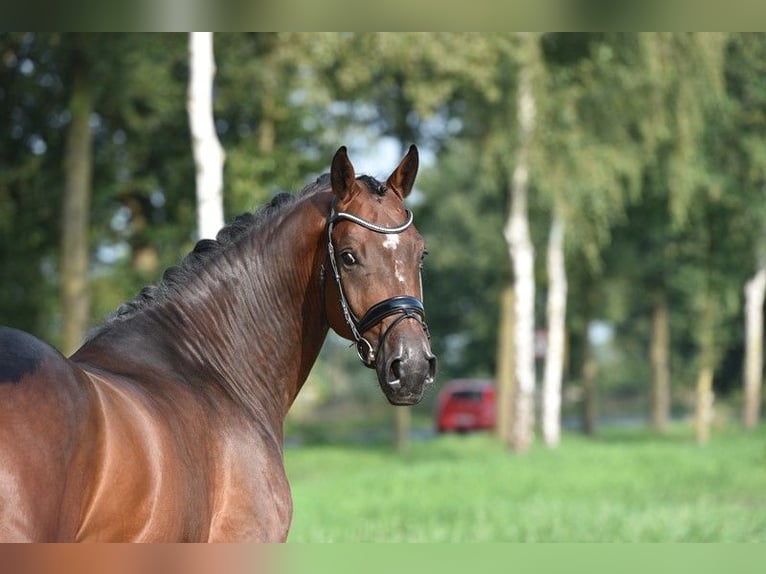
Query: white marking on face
(398, 272)
(391, 241)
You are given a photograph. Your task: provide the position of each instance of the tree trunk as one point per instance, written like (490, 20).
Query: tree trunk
(505, 368)
(522, 257)
(75, 215)
(589, 398)
(755, 291)
(660, 359)
(208, 153)
(705, 398)
(704, 405)
(556, 318)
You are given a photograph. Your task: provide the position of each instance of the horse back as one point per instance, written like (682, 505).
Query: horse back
(43, 412)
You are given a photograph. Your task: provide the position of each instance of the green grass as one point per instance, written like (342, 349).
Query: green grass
(623, 486)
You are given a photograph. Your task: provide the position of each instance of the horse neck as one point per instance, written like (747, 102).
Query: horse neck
(252, 323)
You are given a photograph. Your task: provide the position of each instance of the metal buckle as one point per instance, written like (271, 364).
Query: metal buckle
(368, 357)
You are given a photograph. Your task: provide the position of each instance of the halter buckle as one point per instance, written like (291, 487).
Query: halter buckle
(365, 352)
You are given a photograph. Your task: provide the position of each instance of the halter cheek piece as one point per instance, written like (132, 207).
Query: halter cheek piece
(402, 305)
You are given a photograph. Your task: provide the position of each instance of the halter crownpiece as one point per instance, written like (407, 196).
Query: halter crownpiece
(367, 224)
(403, 305)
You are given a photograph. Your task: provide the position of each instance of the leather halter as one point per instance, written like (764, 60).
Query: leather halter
(403, 305)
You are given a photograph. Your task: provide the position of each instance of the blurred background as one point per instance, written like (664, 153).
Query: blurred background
(594, 207)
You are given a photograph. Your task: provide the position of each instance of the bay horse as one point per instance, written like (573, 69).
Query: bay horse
(167, 424)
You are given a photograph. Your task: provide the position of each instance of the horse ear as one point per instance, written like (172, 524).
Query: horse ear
(403, 177)
(342, 176)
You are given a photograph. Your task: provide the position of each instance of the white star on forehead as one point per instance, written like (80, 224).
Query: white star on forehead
(391, 241)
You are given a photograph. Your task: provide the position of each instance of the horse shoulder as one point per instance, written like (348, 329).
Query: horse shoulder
(151, 482)
(253, 502)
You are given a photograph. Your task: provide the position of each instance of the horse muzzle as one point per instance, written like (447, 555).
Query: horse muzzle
(406, 367)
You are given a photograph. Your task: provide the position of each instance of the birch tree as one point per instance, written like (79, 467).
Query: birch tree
(681, 137)
(696, 203)
(755, 291)
(208, 153)
(556, 328)
(755, 295)
(746, 65)
(521, 253)
(584, 179)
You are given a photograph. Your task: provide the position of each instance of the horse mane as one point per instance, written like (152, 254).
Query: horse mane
(207, 250)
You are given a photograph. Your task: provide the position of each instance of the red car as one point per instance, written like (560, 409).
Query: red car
(465, 405)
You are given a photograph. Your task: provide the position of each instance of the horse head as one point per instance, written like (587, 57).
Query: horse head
(376, 297)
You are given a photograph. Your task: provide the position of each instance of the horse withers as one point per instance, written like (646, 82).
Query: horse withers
(166, 425)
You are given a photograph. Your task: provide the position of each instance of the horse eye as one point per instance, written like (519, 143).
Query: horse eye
(348, 258)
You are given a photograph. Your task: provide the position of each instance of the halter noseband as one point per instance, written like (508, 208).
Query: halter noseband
(402, 305)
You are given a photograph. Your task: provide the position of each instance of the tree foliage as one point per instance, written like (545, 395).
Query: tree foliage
(650, 145)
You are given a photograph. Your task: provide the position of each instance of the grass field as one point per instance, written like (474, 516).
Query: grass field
(624, 486)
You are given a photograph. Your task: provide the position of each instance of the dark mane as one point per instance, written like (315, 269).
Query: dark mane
(207, 250)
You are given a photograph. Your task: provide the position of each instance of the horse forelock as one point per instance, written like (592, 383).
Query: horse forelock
(376, 187)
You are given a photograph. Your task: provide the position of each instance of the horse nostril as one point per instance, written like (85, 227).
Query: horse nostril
(432, 364)
(396, 374)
